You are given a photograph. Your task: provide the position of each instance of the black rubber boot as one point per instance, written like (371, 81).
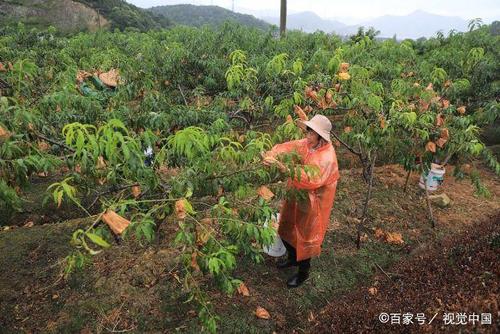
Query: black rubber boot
(286, 263)
(291, 261)
(297, 279)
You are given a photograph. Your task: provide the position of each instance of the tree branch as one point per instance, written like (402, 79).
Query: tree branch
(52, 141)
(347, 146)
(183, 96)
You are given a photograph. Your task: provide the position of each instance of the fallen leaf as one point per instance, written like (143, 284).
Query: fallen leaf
(379, 233)
(429, 87)
(466, 168)
(243, 290)
(445, 104)
(265, 193)
(262, 313)
(43, 146)
(2, 68)
(347, 129)
(116, 223)
(310, 317)
(461, 110)
(447, 83)
(372, 291)
(29, 224)
(353, 220)
(394, 238)
(289, 119)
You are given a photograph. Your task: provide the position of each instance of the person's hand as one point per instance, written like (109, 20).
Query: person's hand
(281, 167)
(267, 160)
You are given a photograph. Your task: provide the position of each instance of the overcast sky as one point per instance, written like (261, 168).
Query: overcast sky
(351, 9)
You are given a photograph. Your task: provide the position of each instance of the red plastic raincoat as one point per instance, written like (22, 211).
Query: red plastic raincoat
(303, 223)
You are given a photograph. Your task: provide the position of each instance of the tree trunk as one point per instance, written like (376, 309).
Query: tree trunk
(283, 18)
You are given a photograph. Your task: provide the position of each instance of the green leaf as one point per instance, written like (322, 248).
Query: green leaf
(97, 240)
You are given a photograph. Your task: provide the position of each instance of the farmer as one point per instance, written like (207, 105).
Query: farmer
(303, 222)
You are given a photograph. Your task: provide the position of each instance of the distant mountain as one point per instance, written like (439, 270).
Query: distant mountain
(308, 22)
(79, 15)
(192, 15)
(415, 25)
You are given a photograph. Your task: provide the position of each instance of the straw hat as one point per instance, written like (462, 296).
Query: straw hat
(320, 124)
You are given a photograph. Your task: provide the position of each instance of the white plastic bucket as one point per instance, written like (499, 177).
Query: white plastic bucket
(277, 249)
(434, 178)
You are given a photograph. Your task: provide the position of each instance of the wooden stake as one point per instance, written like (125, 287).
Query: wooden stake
(407, 180)
(367, 200)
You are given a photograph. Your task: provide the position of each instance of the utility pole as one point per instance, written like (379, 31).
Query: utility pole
(283, 18)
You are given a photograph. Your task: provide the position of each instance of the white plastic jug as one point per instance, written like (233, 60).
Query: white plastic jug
(277, 249)
(434, 178)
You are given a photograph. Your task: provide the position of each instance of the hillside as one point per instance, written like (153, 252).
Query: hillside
(414, 25)
(192, 15)
(83, 15)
